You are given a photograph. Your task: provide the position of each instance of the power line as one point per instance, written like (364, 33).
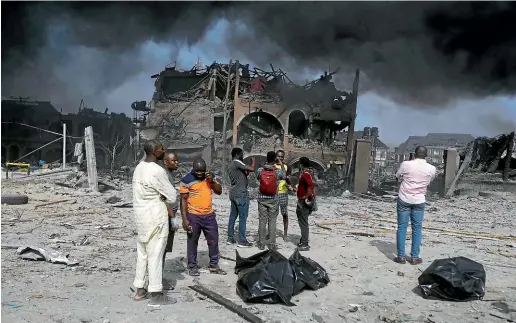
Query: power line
(41, 129)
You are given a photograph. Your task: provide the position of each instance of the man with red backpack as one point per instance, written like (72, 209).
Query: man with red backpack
(268, 204)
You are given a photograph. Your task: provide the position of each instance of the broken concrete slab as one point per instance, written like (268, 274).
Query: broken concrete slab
(491, 194)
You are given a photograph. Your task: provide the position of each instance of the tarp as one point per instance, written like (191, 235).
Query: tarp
(269, 277)
(455, 279)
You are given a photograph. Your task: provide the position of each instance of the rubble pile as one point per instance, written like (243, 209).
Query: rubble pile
(491, 154)
(302, 143)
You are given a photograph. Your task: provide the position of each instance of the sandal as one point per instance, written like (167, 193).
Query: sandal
(217, 270)
(141, 294)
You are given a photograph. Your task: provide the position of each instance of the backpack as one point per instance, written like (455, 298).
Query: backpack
(268, 182)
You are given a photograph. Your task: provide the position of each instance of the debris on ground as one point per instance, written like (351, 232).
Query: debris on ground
(47, 254)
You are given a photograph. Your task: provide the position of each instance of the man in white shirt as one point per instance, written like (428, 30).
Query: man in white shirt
(150, 185)
(415, 176)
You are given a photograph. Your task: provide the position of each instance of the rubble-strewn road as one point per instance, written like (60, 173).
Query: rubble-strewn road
(102, 238)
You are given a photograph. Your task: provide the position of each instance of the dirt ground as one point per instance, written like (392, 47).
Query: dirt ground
(102, 239)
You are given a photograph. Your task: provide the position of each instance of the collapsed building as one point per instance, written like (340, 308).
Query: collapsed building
(31, 131)
(265, 111)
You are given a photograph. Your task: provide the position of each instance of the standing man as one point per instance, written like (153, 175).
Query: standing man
(197, 212)
(268, 204)
(150, 182)
(305, 201)
(239, 197)
(415, 176)
(171, 163)
(283, 187)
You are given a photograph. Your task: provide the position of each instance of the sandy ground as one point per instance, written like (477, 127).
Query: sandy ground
(361, 268)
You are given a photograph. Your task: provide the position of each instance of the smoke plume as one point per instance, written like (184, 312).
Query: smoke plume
(417, 53)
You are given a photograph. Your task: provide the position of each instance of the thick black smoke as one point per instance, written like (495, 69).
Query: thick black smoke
(422, 53)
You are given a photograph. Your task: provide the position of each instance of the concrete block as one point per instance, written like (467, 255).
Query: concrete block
(451, 165)
(361, 166)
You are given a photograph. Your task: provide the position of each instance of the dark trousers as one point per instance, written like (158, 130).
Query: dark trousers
(170, 239)
(207, 224)
(240, 208)
(303, 212)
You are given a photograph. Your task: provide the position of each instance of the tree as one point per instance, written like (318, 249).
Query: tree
(113, 150)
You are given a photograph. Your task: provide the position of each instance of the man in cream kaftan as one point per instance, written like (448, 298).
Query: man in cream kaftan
(151, 218)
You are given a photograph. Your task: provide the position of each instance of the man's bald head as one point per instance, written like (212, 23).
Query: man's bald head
(199, 164)
(199, 168)
(171, 160)
(153, 149)
(421, 152)
(150, 146)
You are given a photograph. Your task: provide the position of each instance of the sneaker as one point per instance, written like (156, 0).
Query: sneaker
(303, 247)
(217, 270)
(244, 244)
(230, 242)
(160, 300)
(260, 246)
(194, 272)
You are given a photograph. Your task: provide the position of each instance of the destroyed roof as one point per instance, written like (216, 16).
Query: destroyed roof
(257, 85)
(433, 139)
(343, 136)
(448, 139)
(29, 107)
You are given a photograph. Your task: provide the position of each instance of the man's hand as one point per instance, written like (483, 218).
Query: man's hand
(187, 226)
(170, 210)
(209, 177)
(291, 188)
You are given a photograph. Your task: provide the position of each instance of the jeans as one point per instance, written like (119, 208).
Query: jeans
(415, 213)
(240, 208)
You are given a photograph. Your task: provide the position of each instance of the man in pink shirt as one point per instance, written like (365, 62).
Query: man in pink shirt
(415, 176)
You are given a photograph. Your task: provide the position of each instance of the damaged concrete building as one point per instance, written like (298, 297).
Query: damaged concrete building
(29, 127)
(265, 111)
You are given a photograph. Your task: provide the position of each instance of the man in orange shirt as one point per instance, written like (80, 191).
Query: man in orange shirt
(197, 213)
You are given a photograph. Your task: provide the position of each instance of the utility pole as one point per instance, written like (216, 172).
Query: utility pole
(225, 124)
(64, 146)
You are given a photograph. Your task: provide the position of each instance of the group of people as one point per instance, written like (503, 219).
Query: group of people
(274, 185)
(156, 203)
